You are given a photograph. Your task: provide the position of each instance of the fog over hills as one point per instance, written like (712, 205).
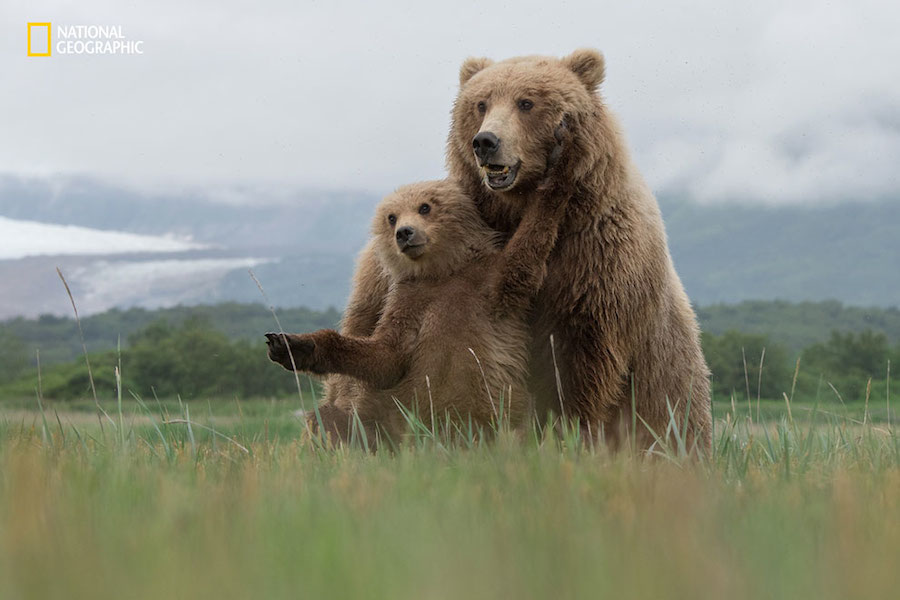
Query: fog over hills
(188, 247)
(301, 246)
(253, 153)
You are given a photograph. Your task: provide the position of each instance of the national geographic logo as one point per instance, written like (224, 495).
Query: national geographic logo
(39, 39)
(80, 40)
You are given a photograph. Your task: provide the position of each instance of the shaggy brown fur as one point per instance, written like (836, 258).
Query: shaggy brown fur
(624, 329)
(451, 334)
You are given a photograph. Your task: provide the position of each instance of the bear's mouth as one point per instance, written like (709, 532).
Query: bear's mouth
(413, 251)
(500, 177)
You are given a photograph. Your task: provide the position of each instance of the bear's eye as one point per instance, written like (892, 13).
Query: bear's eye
(525, 104)
(425, 209)
(392, 219)
(482, 107)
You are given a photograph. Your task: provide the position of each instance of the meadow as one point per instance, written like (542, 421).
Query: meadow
(236, 500)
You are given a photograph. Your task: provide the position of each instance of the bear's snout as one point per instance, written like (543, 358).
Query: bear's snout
(411, 241)
(404, 235)
(485, 145)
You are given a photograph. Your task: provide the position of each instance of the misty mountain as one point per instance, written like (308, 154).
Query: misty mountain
(234, 218)
(301, 244)
(727, 253)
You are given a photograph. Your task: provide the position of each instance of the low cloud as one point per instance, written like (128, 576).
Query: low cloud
(767, 101)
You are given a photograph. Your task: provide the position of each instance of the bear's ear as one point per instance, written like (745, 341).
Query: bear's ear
(588, 65)
(471, 66)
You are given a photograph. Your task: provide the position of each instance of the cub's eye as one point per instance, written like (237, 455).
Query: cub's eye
(525, 104)
(425, 209)
(482, 107)
(392, 219)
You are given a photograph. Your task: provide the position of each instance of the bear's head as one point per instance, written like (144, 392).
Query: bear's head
(429, 229)
(507, 116)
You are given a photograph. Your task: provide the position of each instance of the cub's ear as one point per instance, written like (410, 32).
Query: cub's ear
(588, 65)
(471, 66)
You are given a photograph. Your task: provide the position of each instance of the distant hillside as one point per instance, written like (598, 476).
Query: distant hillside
(303, 219)
(303, 243)
(799, 325)
(848, 252)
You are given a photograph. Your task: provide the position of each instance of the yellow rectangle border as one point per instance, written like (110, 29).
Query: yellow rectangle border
(49, 33)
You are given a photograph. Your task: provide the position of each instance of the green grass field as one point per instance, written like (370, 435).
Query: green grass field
(150, 507)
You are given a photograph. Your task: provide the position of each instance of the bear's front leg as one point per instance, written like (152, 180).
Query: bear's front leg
(380, 362)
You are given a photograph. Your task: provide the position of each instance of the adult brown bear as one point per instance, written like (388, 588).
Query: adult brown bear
(623, 329)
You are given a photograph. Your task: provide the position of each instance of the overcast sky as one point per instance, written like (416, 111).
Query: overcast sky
(770, 101)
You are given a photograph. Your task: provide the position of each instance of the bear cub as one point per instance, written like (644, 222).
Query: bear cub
(452, 339)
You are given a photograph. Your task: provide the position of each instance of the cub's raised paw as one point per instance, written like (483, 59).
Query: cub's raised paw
(300, 348)
(278, 350)
(558, 176)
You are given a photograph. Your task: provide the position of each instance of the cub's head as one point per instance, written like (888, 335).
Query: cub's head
(429, 229)
(507, 115)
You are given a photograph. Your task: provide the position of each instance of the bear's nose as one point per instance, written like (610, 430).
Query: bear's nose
(485, 145)
(404, 234)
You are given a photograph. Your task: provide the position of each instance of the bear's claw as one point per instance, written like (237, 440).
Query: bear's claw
(281, 349)
(278, 350)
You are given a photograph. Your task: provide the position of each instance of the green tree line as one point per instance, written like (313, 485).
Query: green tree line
(58, 340)
(842, 365)
(219, 352)
(192, 360)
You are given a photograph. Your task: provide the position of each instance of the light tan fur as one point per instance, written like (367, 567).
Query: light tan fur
(450, 331)
(624, 330)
